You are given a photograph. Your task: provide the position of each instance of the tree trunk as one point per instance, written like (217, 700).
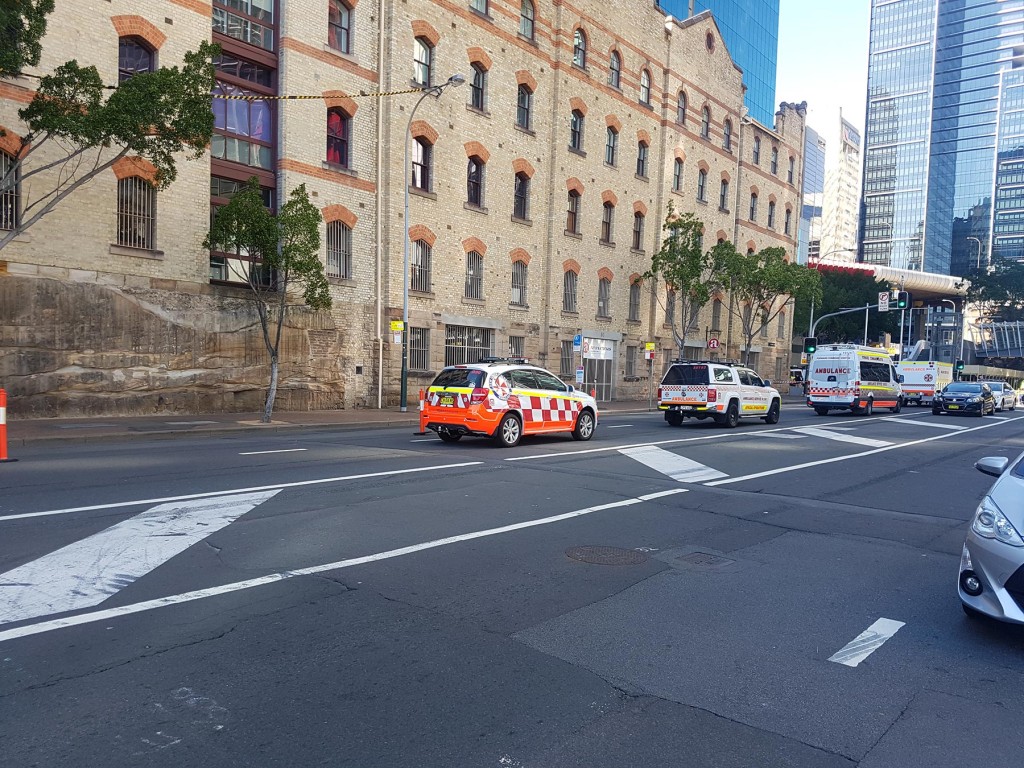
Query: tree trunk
(272, 392)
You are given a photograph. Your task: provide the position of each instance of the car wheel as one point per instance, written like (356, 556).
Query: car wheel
(821, 411)
(773, 413)
(449, 437)
(584, 429)
(981, 411)
(936, 411)
(509, 431)
(732, 416)
(673, 418)
(899, 405)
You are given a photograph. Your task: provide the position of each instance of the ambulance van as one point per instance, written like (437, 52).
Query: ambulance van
(849, 377)
(922, 379)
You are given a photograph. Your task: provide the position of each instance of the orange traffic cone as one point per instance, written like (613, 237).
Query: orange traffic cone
(423, 417)
(3, 427)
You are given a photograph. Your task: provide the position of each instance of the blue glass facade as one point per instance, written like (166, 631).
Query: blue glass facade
(750, 29)
(811, 194)
(943, 91)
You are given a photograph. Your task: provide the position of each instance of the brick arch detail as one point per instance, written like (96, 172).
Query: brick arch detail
(424, 29)
(10, 142)
(136, 26)
(772, 199)
(422, 232)
(335, 212)
(605, 274)
(127, 167)
(726, 176)
(475, 148)
(578, 104)
(474, 244)
(478, 55)
(519, 254)
(571, 265)
(754, 190)
(522, 165)
(680, 154)
(751, 245)
(609, 197)
(574, 185)
(340, 100)
(722, 235)
(636, 279)
(421, 129)
(643, 136)
(523, 77)
(702, 165)
(639, 207)
(613, 121)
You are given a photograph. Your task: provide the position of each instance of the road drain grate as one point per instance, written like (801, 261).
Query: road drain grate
(706, 560)
(606, 555)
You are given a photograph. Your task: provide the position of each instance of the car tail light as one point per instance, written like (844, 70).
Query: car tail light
(479, 395)
(659, 393)
(712, 395)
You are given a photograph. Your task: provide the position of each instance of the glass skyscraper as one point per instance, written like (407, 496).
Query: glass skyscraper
(809, 242)
(750, 29)
(944, 135)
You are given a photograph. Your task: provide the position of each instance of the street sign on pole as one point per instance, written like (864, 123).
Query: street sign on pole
(577, 342)
(883, 301)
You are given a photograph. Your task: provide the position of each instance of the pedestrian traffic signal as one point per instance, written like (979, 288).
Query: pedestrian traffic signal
(810, 345)
(903, 300)
(959, 365)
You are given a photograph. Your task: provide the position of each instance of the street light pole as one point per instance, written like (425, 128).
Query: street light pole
(978, 241)
(433, 90)
(960, 330)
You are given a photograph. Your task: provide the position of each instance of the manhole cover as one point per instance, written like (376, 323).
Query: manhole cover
(706, 560)
(606, 555)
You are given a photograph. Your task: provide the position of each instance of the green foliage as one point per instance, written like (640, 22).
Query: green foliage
(684, 265)
(22, 26)
(998, 291)
(299, 258)
(840, 290)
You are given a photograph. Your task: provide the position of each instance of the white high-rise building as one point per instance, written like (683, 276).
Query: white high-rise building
(841, 205)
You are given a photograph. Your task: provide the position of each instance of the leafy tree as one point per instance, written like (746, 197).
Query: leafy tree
(278, 253)
(841, 290)
(78, 127)
(761, 284)
(686, 268)
(22, 26)
(998, 291)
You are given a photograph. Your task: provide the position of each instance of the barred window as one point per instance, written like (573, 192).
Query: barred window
(604, 297)
(339, 250)
(339, 26)
(569, 291)
(10, 212)
(136, 213)
(465, 344)
(474, 275)
(516, 346)
(419, 349)
(419, 270)
(519, 275)
(634, 302)
(631, 360)
(565, 366)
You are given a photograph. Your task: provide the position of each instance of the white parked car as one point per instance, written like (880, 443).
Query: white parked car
(1006, 398)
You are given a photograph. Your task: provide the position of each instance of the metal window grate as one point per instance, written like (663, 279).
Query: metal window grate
(519, 275)
(604, 291)
(569, 292)
(631, 361)
(465, 344)
(419, 279)
(634, 301)
(136, 213)
(339, 250)
(474, 275)
(9, 212)
(565, 367)
(516, 346)
(419, 349)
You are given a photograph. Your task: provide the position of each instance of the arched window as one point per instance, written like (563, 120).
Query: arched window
(423, 61)
(607, 221)
(757, 150)
(10, 197)
(480, 6)
(792, 169)
(677, 175)
(705, 123)
(572, 215)
(638, 231)
(419, 269)
(339, 26)
(569, 280)
(520, 273)
(753, 206)
(681, 108)
(478, 87)
(576, 130)
(788, 221)
(702, 185)
(611, 146)
(521, 197)
(579, 49)
(614, 70)
(422, 161)
(727, 136)
(526, 19)
(133, 57)
(339, 250)
(775, 160)
(339, 131)
(604, 297)
(475, 182)
(645, 87)
(634, 302)
(723, 195)
(771, 214)
(474, 275)
(641, 159)
(136, 213)
(716, 315)
(524, 103)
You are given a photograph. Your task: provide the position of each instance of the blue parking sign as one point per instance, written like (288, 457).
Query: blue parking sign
(577, 342)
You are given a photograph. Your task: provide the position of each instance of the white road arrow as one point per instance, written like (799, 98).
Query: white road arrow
(89, 571)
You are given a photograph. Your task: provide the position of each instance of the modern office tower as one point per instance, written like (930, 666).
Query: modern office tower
(812, 195)
(943, 135)
(750, 29)
(841, 205)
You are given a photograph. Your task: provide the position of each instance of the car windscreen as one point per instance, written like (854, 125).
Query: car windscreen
(963, 387)
(686, 374)
(459, 377)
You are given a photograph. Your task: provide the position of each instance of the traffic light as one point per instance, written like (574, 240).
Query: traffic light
(810, 345)
(904, 300)
(959, 365)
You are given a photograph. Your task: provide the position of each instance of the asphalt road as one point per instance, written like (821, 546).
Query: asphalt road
(655, 597)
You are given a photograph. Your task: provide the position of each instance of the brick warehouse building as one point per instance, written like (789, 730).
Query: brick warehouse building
(537, 194)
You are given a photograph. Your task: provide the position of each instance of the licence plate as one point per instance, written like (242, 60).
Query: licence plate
(447, 400)
(685, 407)
(953, 407)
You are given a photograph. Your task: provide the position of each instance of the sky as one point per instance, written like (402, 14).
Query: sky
(823, 60)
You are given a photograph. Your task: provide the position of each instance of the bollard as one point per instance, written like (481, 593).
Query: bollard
(423, 418)
(593, 393)
(3, 427)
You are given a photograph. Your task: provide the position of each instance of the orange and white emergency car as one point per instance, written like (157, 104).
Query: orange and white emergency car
(851, 377)
(504, 399)
(725, 393)
(922, 379)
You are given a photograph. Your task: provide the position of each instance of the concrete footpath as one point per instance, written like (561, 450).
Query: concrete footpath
(21, 431)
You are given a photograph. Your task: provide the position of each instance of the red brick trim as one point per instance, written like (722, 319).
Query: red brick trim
(613, 122)
(477, 149)
(421, 129)
(474, 244)
(421, 28)
(523, 77)
(478, 55)
(127, 167)
(518, 254)
(421, 232)
(680, 154)
(571, 265)
(574, 185)
(721, 235)
(639, 207)
(341, 100)
(609, 197)
(636, 278)
(10, 142)
(521, 165)
(605, 274)
(577, 104)
(136, 26)
(726, 176)
(340, 213)
(643, 136)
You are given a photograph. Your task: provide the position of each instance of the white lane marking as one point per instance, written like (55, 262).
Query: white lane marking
(842, 438)
(199, 594)
(848, 457)
(425, 440)
(1001, 418)
(280, 450)
(618, 426)
(677, 467)
(87, 572)
(230, 491)
(782, 435)
(939, 424)
(866, 643)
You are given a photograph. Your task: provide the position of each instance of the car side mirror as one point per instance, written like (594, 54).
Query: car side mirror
(767, 382)
(570, 388)
(900, 377)
(992, 465)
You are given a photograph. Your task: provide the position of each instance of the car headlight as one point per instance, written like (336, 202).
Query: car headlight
(973, 399)
(991, 523)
